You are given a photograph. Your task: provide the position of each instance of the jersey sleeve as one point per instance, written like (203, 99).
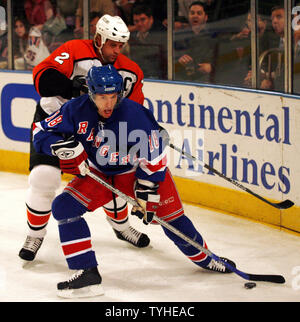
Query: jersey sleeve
(153, 154)
(57, 126)
(52, 75)
(137, 94)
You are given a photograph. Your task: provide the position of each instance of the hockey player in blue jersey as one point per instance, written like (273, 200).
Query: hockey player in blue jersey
(119, 140)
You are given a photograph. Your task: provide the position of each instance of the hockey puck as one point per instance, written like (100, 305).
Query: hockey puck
(249, 285)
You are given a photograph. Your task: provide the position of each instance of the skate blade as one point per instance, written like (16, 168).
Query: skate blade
(88, 291)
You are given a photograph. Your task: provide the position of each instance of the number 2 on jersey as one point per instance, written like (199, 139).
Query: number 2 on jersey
(60, 59)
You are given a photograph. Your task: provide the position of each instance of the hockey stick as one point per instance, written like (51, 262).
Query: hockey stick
(280, 205)
(250, 277)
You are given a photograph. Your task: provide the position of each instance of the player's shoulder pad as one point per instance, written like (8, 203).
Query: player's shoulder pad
(138, 111)
(76, 45)
(124, 62)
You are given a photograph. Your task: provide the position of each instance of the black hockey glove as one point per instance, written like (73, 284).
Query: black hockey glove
(148, 198)
(72, 157)
(79, 86)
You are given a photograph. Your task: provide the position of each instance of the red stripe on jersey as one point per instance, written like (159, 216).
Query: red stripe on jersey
(76, 247)
(77, 195)
(156, 167)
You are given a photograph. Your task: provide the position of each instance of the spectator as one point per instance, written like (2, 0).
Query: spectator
(296, 52)
(183, 6)
(180, 18)
(38, 12)
(94, 17)
(61, 28)
(67, 9)
(148, 43)
(3, 49)
(194, 47)
(42, 14)
(158, 8)
(240, 66)
(20, 43)
(270, 79)
(36, 50)
(53, 28)
(245, 32)
(102, 7)
(3, 35)
(124, 10)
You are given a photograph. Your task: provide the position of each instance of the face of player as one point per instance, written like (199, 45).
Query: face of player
(105, 104)
(111, 50)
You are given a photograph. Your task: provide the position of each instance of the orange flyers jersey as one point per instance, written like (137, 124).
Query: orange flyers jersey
(76, 57)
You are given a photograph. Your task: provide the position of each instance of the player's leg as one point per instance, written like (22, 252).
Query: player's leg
(172, 212)
(44, 179)
(184, 224)
(117, 216)
(75, 238)
(81, 195)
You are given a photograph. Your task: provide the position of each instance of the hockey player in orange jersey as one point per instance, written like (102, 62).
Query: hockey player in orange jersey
(57, 79)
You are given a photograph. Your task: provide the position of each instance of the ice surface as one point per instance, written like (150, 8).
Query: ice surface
(158, 273)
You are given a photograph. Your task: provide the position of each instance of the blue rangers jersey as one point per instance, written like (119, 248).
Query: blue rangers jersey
(128, 140)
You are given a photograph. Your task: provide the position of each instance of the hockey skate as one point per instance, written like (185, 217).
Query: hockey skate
(83, 283)
(133, 237)
(220, 267)
(30, 248)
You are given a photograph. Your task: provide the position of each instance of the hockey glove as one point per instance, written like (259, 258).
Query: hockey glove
(71, 156)
(148, 198)
(79, 86)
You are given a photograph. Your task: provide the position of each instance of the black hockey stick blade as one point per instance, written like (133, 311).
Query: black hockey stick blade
(279, 279)
(284, 204)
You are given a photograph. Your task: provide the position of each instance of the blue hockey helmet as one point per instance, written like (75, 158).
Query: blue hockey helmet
(104, 80)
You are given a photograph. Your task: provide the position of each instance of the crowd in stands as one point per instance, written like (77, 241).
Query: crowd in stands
(209, 46)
